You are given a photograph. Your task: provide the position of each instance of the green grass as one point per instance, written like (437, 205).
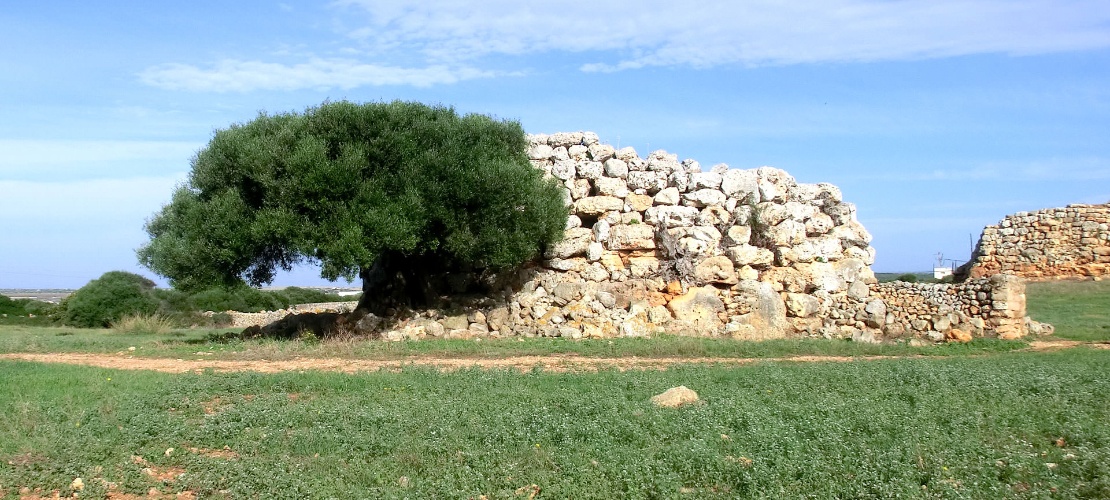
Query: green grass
(185, 343)
(1080, 310)
(954, 427)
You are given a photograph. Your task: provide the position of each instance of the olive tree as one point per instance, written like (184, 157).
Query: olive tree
(399, 194)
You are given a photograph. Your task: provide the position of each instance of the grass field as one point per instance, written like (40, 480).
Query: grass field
(1080, 310)
(982, 420)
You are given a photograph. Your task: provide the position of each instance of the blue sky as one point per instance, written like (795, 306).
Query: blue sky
(935, 117)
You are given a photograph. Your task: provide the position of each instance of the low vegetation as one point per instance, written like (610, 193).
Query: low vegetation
(940, 427)
(1080, 310)
(988, 419)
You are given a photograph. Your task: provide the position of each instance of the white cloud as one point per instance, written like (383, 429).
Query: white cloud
(715, 32)
(242, 76)
(37, 204)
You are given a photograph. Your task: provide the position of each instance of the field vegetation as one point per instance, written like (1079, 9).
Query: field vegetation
(988, 419)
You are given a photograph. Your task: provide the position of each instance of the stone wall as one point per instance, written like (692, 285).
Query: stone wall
(1073, 241)
(975, 307)
(654, 244)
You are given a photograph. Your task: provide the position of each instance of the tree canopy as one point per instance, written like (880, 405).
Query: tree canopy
(395, 193)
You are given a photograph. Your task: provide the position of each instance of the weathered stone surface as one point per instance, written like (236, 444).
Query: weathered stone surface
(740, 184)
(671, 216)
(638, 202)
(704, 197)
(632, 237)
(748, 255)
(597, 205)
(609, 186)
(718, 269)
(802, 305)
(700, 307)
(766, 316)
(675, 397)
(575, 241)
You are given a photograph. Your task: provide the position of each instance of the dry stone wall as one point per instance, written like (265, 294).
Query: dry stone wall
(654, 244)
(1073, 241)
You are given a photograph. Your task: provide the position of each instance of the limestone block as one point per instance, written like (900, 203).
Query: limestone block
(705, 180)
(642, 267)
(679, 181)
(597, 205)
(748, 255)
(577, 152)
(632, 237)
(740, 184)
(801, 305)
(717, 269)
(703, 198)
(595, 271)
(564, 169)
(626, 153)
(601, 152)
(573, 221)
(602, 229)
(876, 313)
(774, 184)
(819, 224)
(690, 241)
(700, 306)
(540, 152)
(565, 139)
(590, 170)
(799, 211)
(852, 234)
(612, 262)
(675, 397)
(786, 233)
(572, 264)
(650, 181)
(841, 213)
(668, 196)
(579, 188)
(616, 168)
(638, 202)
(738, 235)
(665, 216)
(770, 214)
(767, 319)
(574, 242)
(713, 215)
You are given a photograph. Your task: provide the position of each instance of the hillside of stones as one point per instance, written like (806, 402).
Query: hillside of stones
(654, 244)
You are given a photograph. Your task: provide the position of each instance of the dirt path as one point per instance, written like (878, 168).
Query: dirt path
(555, 362)
(560, 363)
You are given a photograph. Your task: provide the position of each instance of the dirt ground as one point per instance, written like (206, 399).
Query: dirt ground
(559, 363)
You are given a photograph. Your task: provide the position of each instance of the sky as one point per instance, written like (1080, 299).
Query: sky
(935, 117)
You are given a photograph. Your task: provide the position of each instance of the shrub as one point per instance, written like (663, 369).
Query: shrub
(143, 323)
(908, 278)
(108, 299)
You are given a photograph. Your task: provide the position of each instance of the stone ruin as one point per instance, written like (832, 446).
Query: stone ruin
(658, 245)
(1069, 242)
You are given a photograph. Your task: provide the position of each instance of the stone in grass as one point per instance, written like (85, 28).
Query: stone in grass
(957, 335)
(675, 397)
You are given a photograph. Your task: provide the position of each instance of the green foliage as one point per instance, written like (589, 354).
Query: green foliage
(907, 277)
(409, 187)
(143, 323)
(112, 296)
(910, 428)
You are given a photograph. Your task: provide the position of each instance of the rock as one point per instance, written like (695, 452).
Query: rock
(748, 255)
(594, 251)
(700, 307)
(738, 235)
(718, 269)
(675, 397)
(802, 305)
(458, 322)
(1038, 328)
(767, 316)
(590, 170)
(574, 242)
(876, 313)
(704, 197)
(643, 267)
(705, 180)
(663, 216)
(957, 335)
(865, 337)
(616, 168)
(638, 202)
(597, 205)
(649, 181)
(740, 184)
(608, 186)
(668, 196)
(632, 237)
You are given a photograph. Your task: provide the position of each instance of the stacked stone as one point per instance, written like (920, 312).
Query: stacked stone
(1073, 241)
(749, 252)
(979, 306)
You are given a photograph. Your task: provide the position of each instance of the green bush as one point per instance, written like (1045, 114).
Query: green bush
(908, 278)
(109, 298)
